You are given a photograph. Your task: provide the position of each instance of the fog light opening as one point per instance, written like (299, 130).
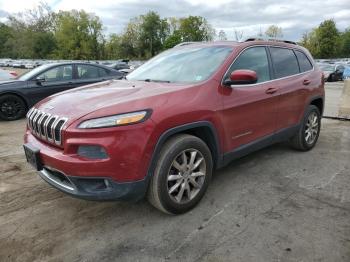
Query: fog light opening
(92, 152)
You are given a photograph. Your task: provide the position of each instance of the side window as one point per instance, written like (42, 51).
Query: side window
(59, 73)
(304, 62)
(87, 71)
(254, 58)
(284, 61)
(103, 72)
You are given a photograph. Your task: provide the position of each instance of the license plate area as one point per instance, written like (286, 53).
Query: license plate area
(33, 156)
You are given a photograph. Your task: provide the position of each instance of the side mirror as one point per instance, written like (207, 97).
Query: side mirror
(242, 77)
(40, 79)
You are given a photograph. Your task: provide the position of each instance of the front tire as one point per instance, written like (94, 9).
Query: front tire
(12, 107)
(182, 174)
(309, 131)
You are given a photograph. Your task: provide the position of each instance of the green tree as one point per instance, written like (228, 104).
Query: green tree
(310, 41)
(113, 47)
(196, 28)
(78, 35)
(130, 40)
(31, 33)
(153, 32)
(345, 43)
(5, 35)
(328, 38)
(173, 39)
(274, 31)
(44, 44)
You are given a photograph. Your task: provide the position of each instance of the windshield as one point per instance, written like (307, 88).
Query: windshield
(29, 75)
(182, 65)
(327, 67)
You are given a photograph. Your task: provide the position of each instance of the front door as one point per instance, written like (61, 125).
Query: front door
(249, 111)
(52, 81)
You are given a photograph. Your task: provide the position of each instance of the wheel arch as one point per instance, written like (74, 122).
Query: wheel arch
(204, 130)
(317, 101)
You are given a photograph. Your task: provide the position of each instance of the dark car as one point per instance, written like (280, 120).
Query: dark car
(17, 96)
(163, 130)
(332, 72)
(120, 65)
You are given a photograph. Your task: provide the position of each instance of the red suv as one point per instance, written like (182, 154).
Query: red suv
(162, 131)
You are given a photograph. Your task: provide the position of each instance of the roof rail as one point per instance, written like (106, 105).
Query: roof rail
(262, 38)
(186, 43)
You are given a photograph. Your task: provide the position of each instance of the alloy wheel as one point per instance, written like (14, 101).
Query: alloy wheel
(186, 176)
(10, 108)
(311, 128)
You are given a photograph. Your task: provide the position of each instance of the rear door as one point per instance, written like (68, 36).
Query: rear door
(293, 81)
(249, 112)
(89, 74)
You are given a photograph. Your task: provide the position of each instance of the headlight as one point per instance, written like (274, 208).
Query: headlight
(117, 120)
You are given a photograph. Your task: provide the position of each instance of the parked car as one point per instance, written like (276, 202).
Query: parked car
(332, 72)
(126, 71)
(163, 130)
(17, 96)
(346, 73)
(29, 65)
(7, 75)
(120, 65)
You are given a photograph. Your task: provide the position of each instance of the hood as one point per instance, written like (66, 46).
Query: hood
(109, 97)
(8, 82)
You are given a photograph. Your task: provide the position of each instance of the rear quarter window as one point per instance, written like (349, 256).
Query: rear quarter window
(304, 62)
(284, 62)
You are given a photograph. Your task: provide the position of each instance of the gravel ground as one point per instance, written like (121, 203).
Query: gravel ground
(274, 205)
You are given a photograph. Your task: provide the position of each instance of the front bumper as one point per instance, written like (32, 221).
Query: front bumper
(94, 188)
(123, 175)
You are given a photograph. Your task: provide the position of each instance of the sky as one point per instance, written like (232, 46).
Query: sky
(250, 16)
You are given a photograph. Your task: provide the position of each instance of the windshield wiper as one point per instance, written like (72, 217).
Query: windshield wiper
(155, 80)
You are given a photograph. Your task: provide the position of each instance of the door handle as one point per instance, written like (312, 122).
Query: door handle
(306, 82)
(271, 90)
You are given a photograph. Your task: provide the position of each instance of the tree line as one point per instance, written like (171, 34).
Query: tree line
(40, 33)
(326, 41)
(44, 34)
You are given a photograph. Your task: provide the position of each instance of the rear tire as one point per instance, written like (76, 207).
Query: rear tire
(309, 131)
(182, 174)
(12, 107)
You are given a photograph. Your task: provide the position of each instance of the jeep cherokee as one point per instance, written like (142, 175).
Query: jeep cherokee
(162, 131)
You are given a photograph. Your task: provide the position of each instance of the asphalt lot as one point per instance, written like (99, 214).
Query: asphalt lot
(274, 205)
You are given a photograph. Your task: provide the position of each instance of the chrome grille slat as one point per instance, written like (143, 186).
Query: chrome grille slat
(37, 120)
(32, 118)
(28, 116)
(59, 125)
(41, 130)
(53, 128)
(46, 126)
(34, 121)
(49, 128)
